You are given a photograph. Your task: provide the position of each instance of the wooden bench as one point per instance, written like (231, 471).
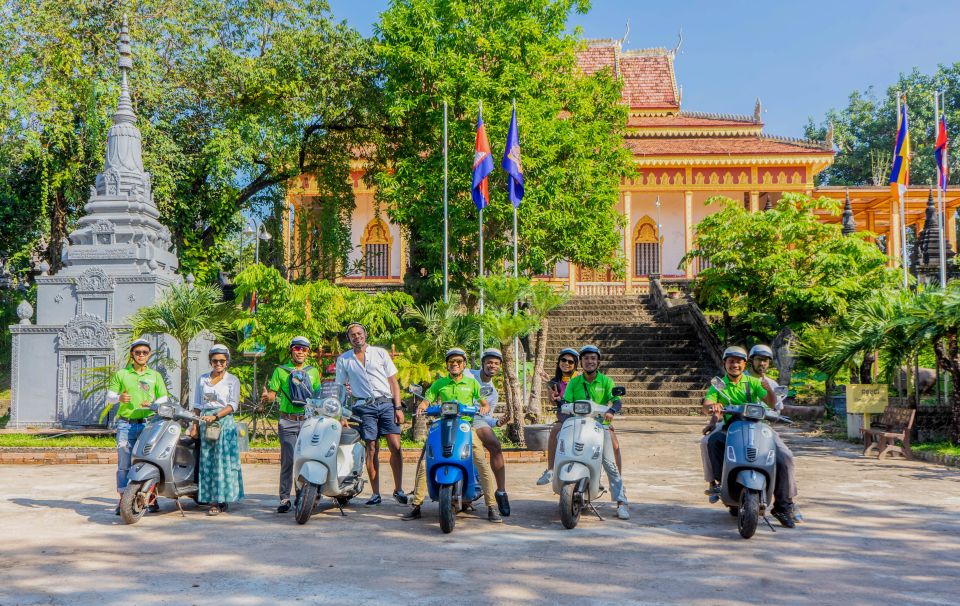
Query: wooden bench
(894, 425)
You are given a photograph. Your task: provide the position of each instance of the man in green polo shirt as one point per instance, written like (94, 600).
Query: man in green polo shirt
(134, 387)
(291, 413)
(457, 387)
(593, 385)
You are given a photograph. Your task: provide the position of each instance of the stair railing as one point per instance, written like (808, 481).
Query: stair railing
(692, 315)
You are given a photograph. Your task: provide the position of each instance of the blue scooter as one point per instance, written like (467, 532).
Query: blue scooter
(451, 475)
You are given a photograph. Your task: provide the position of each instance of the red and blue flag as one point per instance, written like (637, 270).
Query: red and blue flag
(900, 171)
(482, 166)
(940, 152)
(511, 162)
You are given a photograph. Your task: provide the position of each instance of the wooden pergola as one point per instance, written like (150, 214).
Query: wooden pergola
(877, 210)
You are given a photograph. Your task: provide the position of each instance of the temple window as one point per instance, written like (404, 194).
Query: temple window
(376, 244)
(646, 248)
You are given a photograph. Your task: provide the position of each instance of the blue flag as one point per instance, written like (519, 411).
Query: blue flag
(511, 162)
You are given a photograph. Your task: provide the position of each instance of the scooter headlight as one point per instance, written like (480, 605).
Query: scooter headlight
(449, 409)
(582, 407)
(327, 407)
(754, 411)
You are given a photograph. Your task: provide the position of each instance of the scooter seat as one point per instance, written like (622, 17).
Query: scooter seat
(349, 436)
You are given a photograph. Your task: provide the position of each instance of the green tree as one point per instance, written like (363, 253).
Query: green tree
(784, 269)
(235, 99)
(864, 130)
(464, 52)
(543, 298)
(184, 312)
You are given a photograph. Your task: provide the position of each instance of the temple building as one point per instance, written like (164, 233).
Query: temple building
(682, 158)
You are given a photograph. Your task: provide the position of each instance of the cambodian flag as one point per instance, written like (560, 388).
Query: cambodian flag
(511, 162)
(940, 152)
(900, 171)
(482, 166)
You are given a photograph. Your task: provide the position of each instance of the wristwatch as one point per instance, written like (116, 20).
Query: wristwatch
(398, 407)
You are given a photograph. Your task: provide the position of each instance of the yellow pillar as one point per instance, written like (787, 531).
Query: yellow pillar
(627, 253)
(893, 235)
(951, 228)
(754, 201)
(688, 229)
(403, 255)
(571, 277)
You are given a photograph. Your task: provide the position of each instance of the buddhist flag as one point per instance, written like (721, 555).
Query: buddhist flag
(900, 172)
(511, 162)
(940, 152)
(482, 166)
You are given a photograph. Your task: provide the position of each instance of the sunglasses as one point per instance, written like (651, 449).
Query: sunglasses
(140, 352)
(299, 348)
(455, 362)
(218, 361)
(567, 361)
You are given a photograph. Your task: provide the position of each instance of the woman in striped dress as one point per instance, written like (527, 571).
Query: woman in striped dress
(217, 398)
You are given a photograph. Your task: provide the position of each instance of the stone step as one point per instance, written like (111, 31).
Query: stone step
(665, 408)
(667, 393)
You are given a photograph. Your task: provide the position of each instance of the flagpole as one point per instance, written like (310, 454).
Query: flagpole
(481, 257)
(516, 275)
(446, 215)
(903, 214)
(940, 221)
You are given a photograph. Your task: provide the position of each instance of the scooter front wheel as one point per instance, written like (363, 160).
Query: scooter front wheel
(133, 503)
(305, 502)
(448, 517)
(570, 506)
(749, 513)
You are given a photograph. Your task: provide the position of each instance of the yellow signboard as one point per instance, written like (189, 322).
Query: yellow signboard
(868, 399)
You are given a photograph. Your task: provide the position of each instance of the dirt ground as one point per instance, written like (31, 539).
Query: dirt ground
(875, 533)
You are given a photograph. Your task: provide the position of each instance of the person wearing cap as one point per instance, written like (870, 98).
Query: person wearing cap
(135, 387)
(740, 389)
(566, 370)
(215, 400)
(491, 362)
(760, 358)
(291, 414)
(372, 378)
(593, 385)
(458, 386)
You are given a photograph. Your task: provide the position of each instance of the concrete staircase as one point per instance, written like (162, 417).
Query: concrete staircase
(661, 363)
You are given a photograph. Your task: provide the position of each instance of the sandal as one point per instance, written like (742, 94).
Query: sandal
(213, 511)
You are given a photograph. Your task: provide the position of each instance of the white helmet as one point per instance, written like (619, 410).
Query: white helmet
(761, 350)
(735, 351)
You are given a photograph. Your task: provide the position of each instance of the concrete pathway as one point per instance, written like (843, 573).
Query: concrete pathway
(875, 533)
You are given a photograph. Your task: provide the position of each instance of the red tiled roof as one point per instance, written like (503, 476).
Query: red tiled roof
(594, 58)
(727, 146)
(687, 120)
(648, 81)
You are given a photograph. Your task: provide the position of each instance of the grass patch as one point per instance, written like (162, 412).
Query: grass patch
(21, 440)
(948, 449)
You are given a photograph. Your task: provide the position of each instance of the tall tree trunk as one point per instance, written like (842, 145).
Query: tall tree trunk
(948, 357)
(514, 395)
(539, 360)
(184, 374)
(866, 368)
(58, 231)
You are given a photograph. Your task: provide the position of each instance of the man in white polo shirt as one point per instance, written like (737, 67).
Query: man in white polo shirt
(372, 377)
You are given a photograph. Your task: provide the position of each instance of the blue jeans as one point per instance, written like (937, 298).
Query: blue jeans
(127, 434)
(617, 493)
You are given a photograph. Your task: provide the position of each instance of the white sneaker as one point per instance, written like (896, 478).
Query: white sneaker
(546, 478)
(622, 512)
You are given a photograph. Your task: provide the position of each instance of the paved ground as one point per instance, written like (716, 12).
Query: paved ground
(61, 544)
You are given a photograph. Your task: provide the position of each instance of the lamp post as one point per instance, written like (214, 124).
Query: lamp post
(261, 233)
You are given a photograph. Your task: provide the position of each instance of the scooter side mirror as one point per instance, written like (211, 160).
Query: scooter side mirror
(781, 391)
(415, 389)
(619, 390)
(718, 383)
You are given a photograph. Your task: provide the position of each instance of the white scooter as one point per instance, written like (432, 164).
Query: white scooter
(579, 460)
(328, 458)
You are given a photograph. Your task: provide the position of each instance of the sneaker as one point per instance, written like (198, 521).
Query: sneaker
(493, 515)
(284, 506)
(795, 514)
(116, 511)
(714, 498)
(413, 514)
(400, 497)
(783, 516)
(546, 478)
(503, 503)
(713, 489)
(374, 500)
(153, 507)
(622, 512)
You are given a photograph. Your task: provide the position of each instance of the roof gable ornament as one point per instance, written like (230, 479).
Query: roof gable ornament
(829, 140)
(757, 110)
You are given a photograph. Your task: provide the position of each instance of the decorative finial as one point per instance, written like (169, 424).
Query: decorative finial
(44, 267)
(849, 225)
(190, 280)
(24, 312)
(757, 110)
(124, 111)
(829, 140)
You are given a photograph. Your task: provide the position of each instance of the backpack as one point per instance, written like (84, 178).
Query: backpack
(299, 385)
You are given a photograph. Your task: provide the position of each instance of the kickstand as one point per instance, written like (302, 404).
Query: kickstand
(594, 510)
(340, 507)
(767, 520)
(180, 507)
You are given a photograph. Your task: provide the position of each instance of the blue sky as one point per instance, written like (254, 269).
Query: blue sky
(800, 58)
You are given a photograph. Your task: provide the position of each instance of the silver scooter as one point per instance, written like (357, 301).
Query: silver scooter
(749, 461)
(577, 466)
(328, 458)
(164, 463)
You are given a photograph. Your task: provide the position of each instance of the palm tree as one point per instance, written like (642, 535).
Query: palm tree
(543, 298)
(184, 312)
